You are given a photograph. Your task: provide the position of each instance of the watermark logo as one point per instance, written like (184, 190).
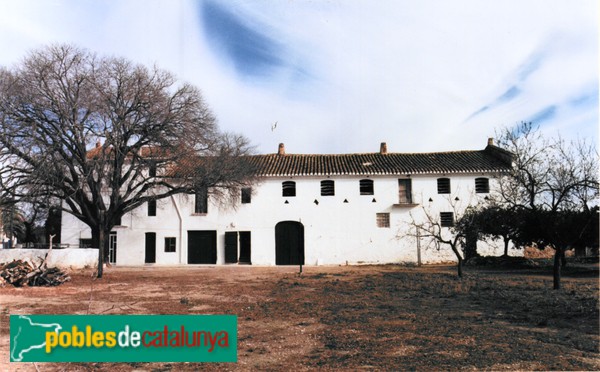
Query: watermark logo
(123, 338)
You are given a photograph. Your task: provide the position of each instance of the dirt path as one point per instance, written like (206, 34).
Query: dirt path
(357, 317)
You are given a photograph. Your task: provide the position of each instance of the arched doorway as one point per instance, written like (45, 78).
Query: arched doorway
(289, 243)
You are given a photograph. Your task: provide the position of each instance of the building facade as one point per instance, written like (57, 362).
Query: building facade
(311, 209)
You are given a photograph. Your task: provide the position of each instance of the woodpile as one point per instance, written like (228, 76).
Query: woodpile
(20, 273)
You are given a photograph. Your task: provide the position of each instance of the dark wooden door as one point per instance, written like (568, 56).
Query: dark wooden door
(245, 247)
(289, 243)
(150, 256)
(202, 247)
(231, 247)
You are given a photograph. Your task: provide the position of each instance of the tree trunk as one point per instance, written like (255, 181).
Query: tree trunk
(101, 240)
(557, 267)
(471, 246)
(506, 241)
(563, 258)
(459, 258)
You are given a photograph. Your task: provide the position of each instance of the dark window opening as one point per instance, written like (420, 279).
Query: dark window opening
(152, 170)
(288, 188)
(366, 187)
(482, 185)
(405, 191)
(443, 185)
(170, 244)
(152, 208)
(246, 195)
(85, 243)
(327, 188)
(446, 219)
(201, 201)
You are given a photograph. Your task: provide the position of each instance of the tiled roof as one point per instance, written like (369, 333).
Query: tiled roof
(492, 159)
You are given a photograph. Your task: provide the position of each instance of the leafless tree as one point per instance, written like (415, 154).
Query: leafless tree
(552, 177)
(427, 225)
(90, 131)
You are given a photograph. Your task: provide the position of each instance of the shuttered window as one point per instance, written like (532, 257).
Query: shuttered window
(446, 219)
(443, 185)
(327, 188)
(366, 187)
(482, 185)
(288, 188)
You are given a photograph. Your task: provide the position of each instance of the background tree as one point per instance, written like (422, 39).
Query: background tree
(90, 131)
(553, 186)
(494, 222)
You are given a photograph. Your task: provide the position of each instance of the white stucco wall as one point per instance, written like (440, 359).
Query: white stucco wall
(68, 258)
(335, 232)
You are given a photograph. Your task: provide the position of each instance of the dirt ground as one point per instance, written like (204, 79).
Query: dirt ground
(348, 318)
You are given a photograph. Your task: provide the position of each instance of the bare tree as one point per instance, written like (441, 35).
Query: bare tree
(439, 230)
(552, 180)
(105, 136)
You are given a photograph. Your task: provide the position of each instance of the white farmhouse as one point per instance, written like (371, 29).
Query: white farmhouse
(310, 209)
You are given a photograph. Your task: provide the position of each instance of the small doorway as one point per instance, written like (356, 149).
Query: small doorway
(112, 247)
(150, 256)
(245, 245)
(202, 247)
(289, 243)
(231, 247)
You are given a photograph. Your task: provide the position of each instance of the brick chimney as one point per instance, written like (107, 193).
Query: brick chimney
(281, 150)
(490, 141)
(383, 148)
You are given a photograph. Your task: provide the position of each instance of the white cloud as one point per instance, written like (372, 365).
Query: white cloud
(406, 72)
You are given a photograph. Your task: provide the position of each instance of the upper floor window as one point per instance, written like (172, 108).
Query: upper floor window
(366, 187)
(447, 219)
(288, 188)
(151, 207)
(443, 185)
(327, 188)
(152, 170)
(405, 191)
(201, 201)
(482, 185)
(246, 195)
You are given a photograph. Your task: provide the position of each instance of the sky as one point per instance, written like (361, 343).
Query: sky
(342, 76)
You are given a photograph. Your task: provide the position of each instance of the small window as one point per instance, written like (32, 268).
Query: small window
(288, 188)
(482, 185)
(170, 244)
(383, 220)
(327, 188)
(201, 201)
(85, 243)
(152, 208)
(246, 195)
(443, 185)
(446, 219)
(405, 191)
(152, 170)
(366, 187)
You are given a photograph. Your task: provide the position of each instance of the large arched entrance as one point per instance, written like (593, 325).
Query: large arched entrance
(289, 243)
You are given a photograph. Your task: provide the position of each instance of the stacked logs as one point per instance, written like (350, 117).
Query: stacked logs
(20, 273)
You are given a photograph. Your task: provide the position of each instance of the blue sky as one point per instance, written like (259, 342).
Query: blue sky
(341, 76)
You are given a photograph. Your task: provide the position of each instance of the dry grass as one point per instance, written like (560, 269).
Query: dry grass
(366, 317)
